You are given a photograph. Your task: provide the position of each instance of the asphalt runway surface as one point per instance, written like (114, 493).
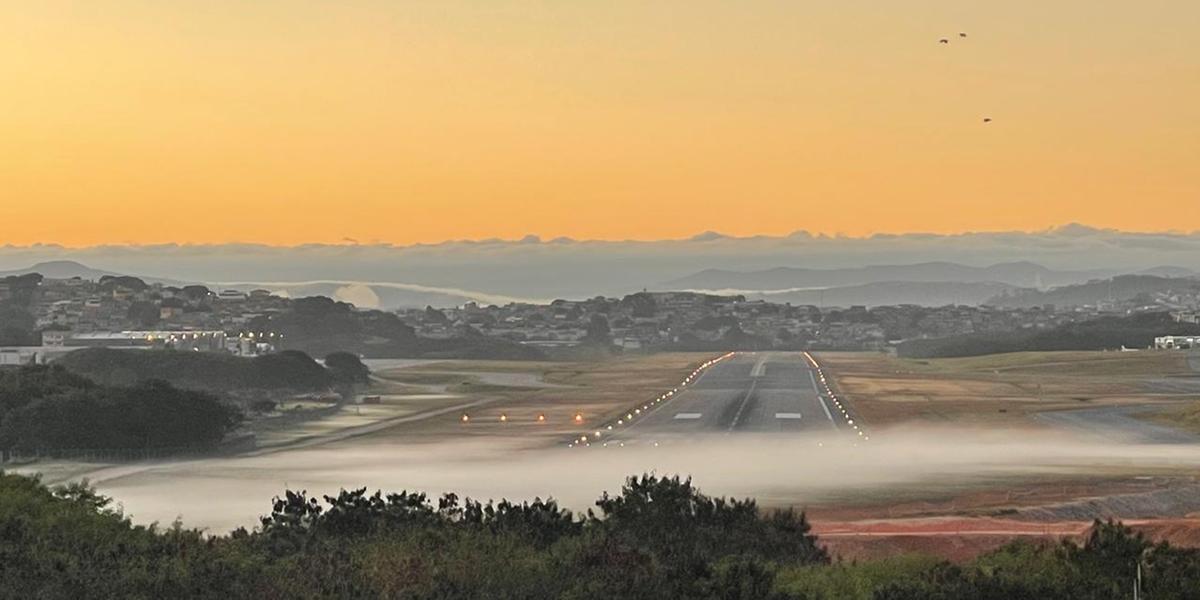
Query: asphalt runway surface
(760, 393)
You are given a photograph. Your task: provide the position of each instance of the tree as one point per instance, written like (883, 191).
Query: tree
(434, 315)
(17, 326)
(598, 332)
(196, 293)
(641, 304)
(48, 408)
(347, 368)
(679, 524)
(145, 314)
(111, 282)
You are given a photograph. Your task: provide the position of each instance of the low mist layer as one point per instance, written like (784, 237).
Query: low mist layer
(219, 494)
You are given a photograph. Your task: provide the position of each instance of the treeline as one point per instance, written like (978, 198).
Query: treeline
(659, 538)
(319, 325)
(1107, 333)
(50, 408)
(289, 370)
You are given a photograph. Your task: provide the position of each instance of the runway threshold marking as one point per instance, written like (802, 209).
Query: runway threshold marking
(788, 415)
(687, 415)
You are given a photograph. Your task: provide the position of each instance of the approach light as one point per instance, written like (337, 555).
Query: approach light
(578, 417)
(466, 417)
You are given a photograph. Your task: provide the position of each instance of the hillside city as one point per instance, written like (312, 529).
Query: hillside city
(46, 316)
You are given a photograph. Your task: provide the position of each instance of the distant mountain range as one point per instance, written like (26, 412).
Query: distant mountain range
(930, 284)
(531, 267)
(1016, 274)
(1119, 289)
(910, 268)
(889, 292)
(61, 269)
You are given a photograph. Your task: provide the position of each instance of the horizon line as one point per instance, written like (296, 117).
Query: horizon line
(704, 236)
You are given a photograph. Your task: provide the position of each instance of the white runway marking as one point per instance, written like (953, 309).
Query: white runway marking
(821, 399)
(788, 415)
(687, 415)
(760, 368)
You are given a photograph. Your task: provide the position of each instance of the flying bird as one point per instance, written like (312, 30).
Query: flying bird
(987, 119)
(962, 35)
(943, 41)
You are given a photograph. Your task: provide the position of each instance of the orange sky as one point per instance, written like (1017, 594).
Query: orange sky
(292, 121)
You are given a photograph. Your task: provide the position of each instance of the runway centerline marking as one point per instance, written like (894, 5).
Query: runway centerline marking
(737, 417)
(688, 415)
(760, 368)
(788, 415)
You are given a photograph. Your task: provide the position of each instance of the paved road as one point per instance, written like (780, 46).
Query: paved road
(1117, 422)
(762, 392)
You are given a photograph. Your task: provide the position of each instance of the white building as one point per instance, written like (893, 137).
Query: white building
(1177, 342)
(22, 355)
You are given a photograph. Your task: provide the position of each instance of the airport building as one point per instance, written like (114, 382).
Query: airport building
(1177, 342)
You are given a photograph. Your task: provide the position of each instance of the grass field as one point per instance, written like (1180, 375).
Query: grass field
(521, 391)
(1184, 417)
(1005, 389)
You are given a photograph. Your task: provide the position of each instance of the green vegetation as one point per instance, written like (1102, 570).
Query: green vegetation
(1108, 333)
(209, 371)
(347, 369)
(18, 327)
(109, 283)
(50, 408)
(659, 538)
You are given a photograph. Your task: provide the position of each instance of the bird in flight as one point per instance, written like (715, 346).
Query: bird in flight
(962, 35)
(943, 41)
(987, 119)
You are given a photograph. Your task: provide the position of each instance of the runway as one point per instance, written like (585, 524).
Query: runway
(754, 392)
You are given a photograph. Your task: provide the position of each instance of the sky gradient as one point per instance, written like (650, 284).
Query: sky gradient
(296, 121)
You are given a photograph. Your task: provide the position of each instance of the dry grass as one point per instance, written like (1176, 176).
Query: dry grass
(594, 390)
(1184, 417)
(1004, 389)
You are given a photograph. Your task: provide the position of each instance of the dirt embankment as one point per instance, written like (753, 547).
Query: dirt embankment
(966, 538)
(1175, 501)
